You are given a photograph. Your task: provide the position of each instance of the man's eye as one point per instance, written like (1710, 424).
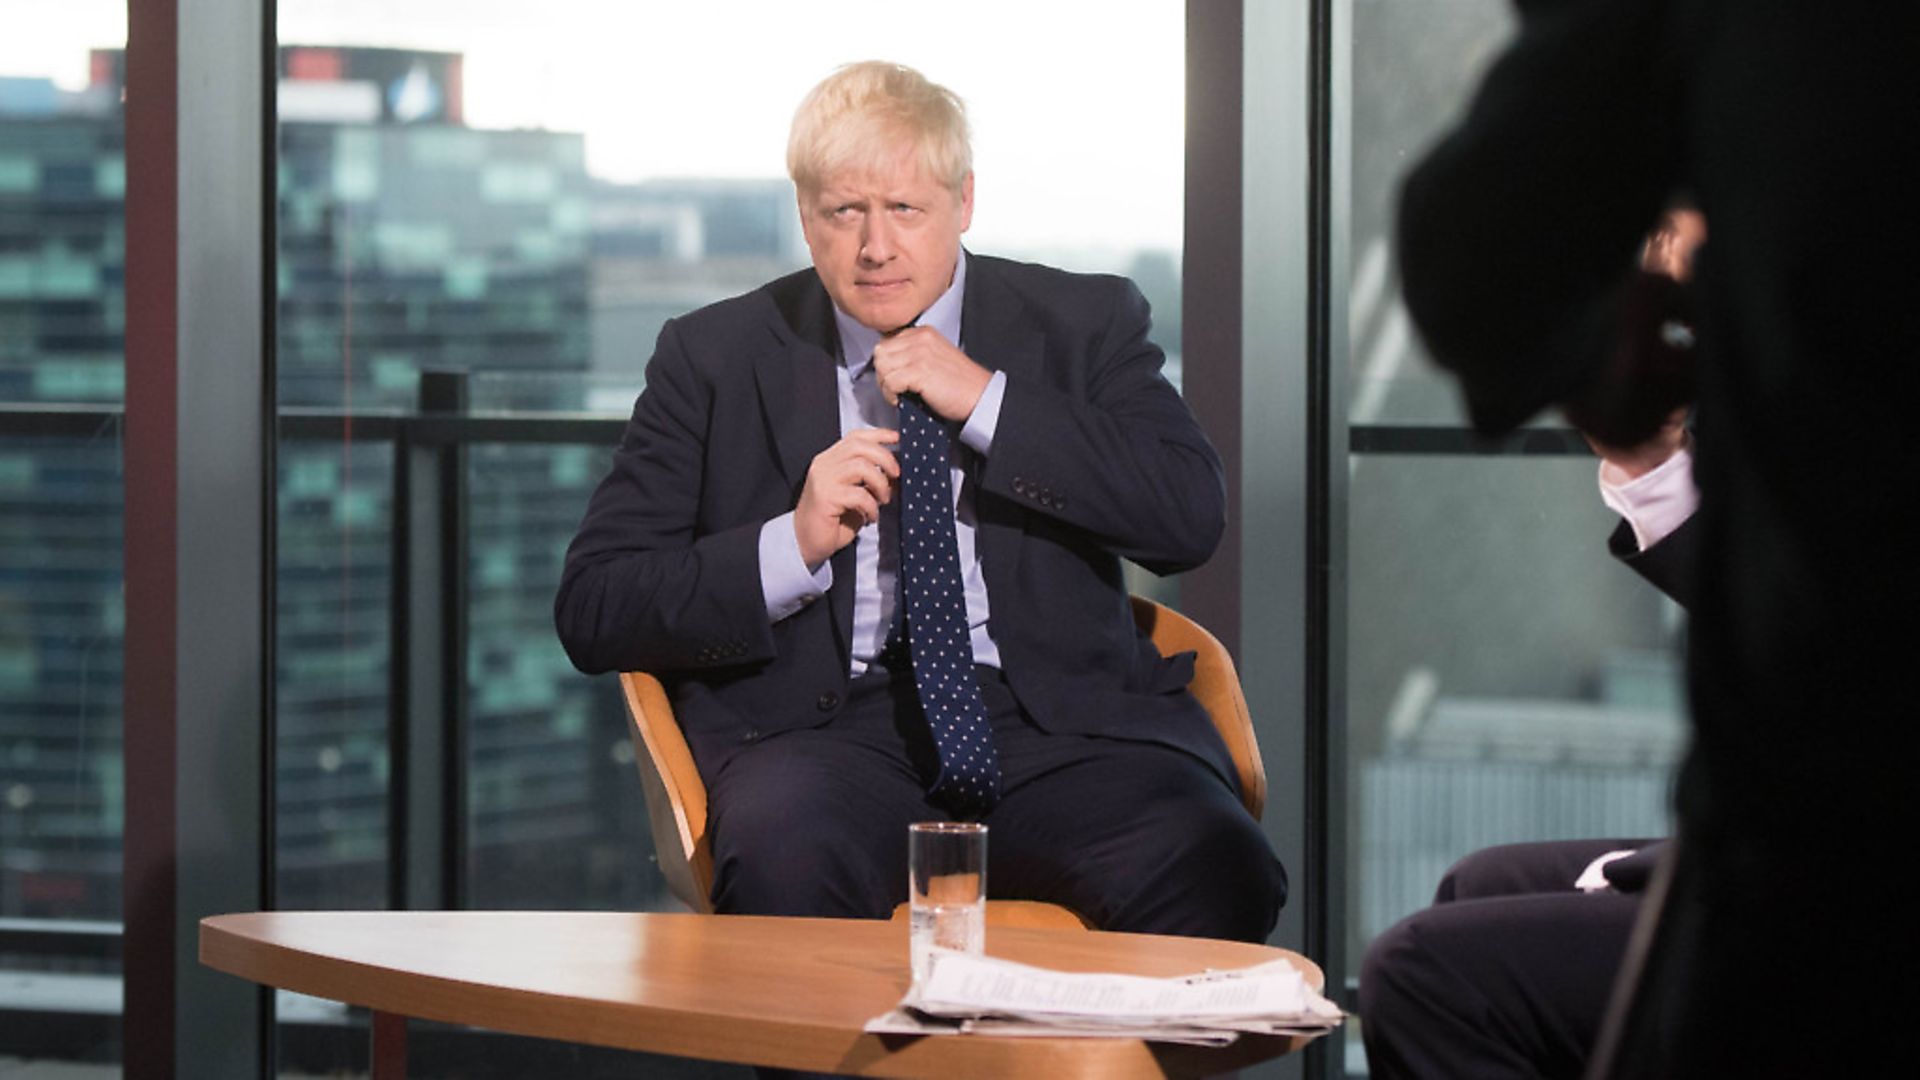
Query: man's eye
(904, 208)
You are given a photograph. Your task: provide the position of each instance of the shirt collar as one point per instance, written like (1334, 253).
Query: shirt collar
(857, 340)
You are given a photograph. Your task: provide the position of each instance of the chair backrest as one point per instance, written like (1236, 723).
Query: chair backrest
(677, 797)
(1216, 682)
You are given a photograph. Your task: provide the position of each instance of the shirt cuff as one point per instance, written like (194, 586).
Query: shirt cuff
(1655, 503)
(785, 582)
(1594, 878)
(977, 433)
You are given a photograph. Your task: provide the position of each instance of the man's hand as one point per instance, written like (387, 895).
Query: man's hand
(918, 360)
(1633, 462)
(1670, 249)
(846, 485)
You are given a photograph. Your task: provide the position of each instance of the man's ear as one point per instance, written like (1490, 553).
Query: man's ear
(966, 203)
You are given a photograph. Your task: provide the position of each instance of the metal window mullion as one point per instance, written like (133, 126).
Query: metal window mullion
(198, 538)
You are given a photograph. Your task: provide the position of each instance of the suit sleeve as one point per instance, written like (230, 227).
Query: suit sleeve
(644, 588)
(1517, 230)
(1667, 565)
(1113, 450)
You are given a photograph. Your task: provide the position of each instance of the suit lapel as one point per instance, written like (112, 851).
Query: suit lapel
(799, 393)
(995, 327)
(998, 333)
(800, 399)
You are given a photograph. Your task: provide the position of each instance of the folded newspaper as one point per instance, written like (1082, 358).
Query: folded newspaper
(982, 995)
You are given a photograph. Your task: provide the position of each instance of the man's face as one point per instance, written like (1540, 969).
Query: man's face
(885, 242)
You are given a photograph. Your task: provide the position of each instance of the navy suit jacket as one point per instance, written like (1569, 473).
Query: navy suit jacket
(1095, 458)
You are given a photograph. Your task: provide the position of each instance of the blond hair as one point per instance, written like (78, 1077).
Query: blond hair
(859, 117)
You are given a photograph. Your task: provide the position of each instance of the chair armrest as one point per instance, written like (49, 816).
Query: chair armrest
(676, 795)
(1216, 683)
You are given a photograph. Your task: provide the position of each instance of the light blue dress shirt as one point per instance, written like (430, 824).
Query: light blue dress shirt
(785, 580)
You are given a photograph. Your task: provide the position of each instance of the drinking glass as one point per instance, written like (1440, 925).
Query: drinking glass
(947, 884)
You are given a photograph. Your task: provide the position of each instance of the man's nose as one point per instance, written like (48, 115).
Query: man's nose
(876, 240)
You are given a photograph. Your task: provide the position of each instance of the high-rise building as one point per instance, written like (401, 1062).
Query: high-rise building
(407, 242)
(62, 316)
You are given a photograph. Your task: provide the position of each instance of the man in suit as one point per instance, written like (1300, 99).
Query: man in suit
(1790, 125)
(747, 548)
(1509, 972)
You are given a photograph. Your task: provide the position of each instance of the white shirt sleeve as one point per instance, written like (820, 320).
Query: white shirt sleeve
(977, 432)
(1655, 503)
(785, 582)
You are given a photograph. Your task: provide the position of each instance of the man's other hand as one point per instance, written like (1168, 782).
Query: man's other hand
(1624, 463)
(846, 485)
(918, 360)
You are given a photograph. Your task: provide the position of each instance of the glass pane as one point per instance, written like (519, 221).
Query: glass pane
(1507, 679)
(332, 671)
(484, 188)
(556, 818)
(536, 205)
(1413, 65)
(62, 615)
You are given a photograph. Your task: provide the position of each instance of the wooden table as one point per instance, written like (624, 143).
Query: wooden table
(764, 991)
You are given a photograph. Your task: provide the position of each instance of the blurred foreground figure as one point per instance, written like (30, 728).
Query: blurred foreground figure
(1508, 974)
(1787, 950)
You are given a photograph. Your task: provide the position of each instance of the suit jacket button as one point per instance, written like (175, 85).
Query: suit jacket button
(750, 735)
(827, 702)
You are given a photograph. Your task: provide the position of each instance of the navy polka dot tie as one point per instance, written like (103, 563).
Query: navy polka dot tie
(934, 603)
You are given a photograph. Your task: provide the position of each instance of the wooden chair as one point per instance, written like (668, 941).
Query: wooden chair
(677, 797)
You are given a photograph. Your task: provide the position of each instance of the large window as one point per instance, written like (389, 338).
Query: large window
(486, 212)
(1505, 679)
(62, 318)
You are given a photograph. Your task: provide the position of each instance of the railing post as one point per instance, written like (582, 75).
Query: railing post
(427, 735)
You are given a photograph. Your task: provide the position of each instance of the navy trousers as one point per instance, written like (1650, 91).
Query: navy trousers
(1131, 835)
(1506, 975)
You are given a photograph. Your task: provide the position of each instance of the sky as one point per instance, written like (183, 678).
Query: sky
(1077, 105)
